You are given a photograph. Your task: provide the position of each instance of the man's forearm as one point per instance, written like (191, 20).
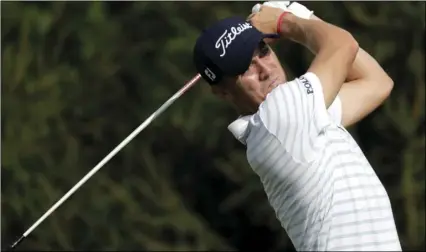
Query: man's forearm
(334, 47)
(363, 66)
(314, 35)
(366, 86)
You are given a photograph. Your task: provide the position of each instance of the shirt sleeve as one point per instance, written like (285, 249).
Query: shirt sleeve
(335, 111)
(295, 113)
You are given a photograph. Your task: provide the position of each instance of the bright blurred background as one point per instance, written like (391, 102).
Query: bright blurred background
(78, 77)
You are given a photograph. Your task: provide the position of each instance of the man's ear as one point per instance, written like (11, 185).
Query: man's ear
(220, 91)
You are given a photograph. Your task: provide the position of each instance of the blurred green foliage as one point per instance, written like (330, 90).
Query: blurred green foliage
(78, 77)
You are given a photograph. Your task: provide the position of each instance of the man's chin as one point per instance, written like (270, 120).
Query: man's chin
(274, 85)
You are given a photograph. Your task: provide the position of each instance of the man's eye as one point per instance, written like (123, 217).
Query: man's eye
(263, 51)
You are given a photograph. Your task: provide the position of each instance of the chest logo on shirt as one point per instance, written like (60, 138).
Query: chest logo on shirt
(307, 84)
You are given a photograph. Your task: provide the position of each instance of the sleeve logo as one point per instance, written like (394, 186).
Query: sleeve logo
(307, 85)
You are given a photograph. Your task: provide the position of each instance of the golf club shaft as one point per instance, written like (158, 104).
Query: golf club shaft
(129, 138)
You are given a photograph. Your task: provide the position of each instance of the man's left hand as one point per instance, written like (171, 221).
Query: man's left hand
(295, 8)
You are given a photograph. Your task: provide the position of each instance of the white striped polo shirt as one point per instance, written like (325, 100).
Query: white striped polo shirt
(323, 189)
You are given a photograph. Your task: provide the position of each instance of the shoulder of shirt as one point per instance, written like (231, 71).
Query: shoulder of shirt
(312, 78)
(271, 109)
(277, 117)
(275, 93)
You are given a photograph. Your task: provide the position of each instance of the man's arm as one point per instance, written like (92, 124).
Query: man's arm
(367, 86)
(334, 47)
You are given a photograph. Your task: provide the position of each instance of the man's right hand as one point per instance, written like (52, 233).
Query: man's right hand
(266, 19)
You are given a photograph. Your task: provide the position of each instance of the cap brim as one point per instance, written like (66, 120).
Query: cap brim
(245, 56)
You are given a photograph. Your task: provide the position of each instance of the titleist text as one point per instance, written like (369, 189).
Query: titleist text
(226, 38)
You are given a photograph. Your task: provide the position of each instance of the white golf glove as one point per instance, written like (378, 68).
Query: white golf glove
(294, 7)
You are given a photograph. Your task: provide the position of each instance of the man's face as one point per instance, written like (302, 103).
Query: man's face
(249, 90)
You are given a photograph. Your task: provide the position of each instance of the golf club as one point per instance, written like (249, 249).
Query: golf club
(129, 138)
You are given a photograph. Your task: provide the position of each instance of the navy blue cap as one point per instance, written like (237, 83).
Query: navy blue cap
(226, 48)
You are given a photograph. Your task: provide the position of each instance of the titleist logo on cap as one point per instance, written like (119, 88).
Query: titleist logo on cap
(227, 37)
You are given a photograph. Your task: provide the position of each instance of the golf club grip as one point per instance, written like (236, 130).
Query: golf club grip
(132, 135)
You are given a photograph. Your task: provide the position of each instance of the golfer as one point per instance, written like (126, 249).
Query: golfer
(317, 179)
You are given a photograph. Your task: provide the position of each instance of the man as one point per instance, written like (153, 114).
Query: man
(321, 186)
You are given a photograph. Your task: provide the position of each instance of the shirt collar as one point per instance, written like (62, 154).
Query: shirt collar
(239, 128)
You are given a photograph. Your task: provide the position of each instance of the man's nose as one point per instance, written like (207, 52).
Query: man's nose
(264, 71)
